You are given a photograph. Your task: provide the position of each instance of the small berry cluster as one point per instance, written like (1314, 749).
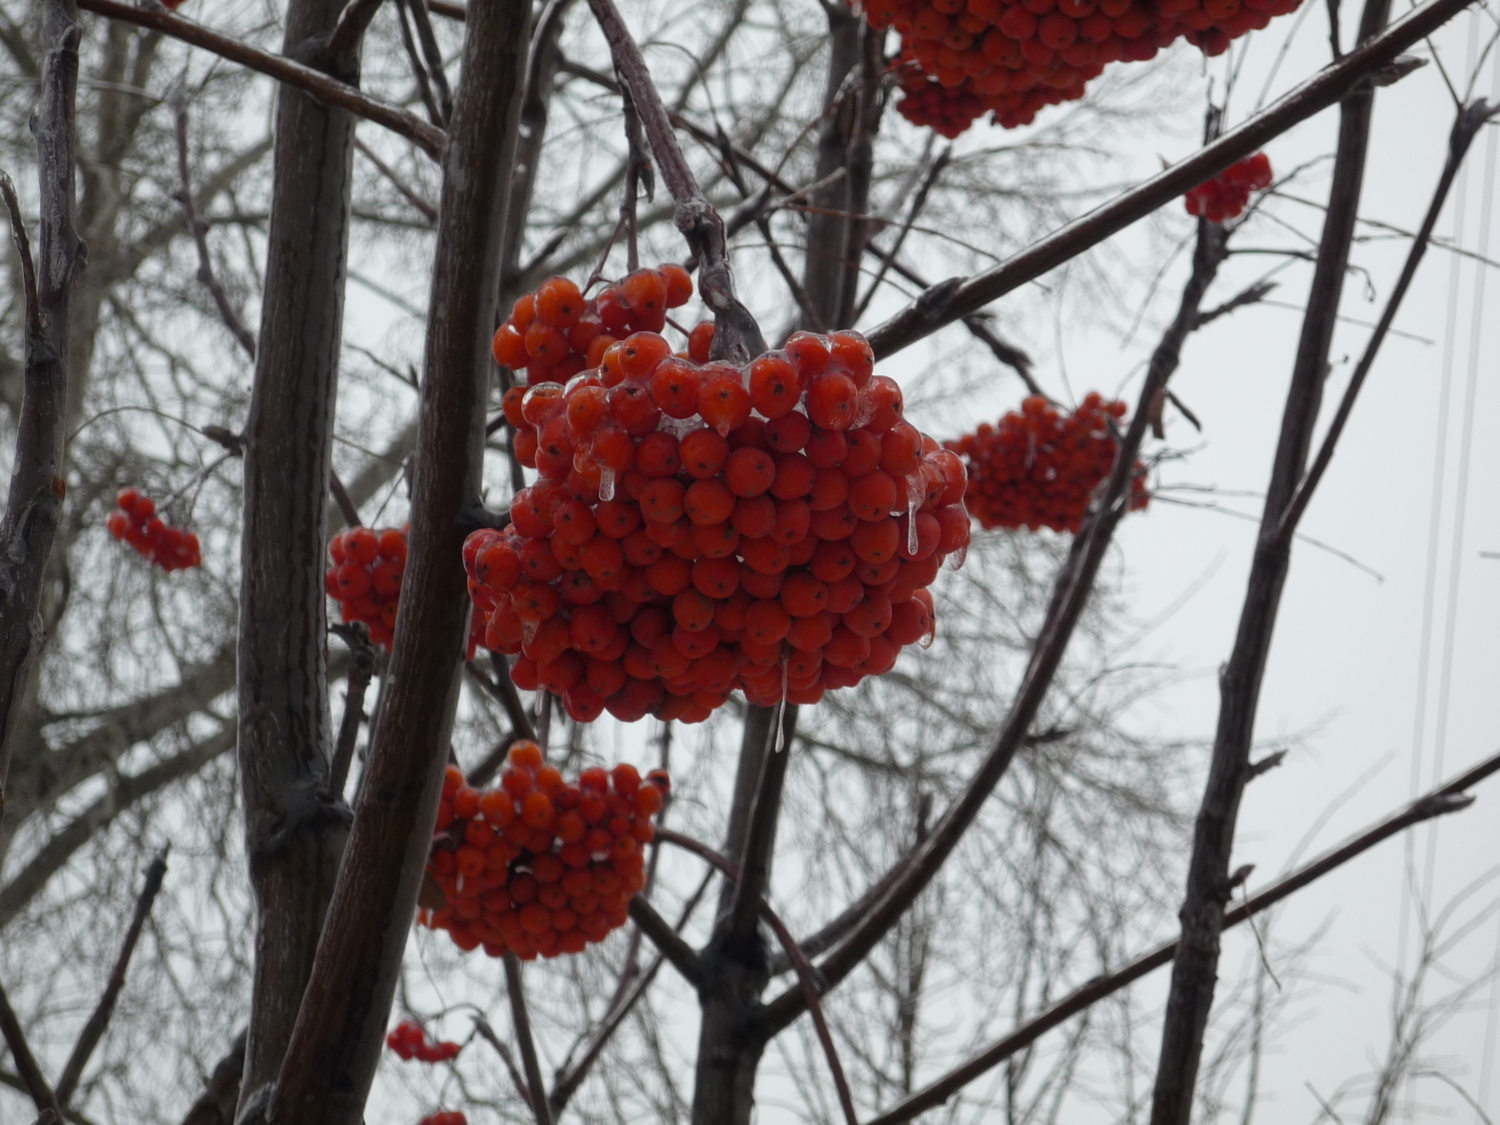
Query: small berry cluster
(445, 1117)
(556, 332)
(135, 521)
(365, 579)
(538, 866)
(1226, 195)
(409, 1042)
(959, 58)
(1039, 468)
(700, 528)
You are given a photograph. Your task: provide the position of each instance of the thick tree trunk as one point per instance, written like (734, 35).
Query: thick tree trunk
(294, 835)
(331, 1061)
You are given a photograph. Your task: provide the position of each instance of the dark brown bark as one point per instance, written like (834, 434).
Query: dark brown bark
(20, 1052)
(33, 507)
(330, 1064)
(959, 297)
(1446, 798)
(1194, 971)
(98, 1020)
(294, 829)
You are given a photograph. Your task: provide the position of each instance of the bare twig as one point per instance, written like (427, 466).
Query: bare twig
(409, 193)
(664, 936)
(20, 1051)
(418, 70)
(1465, 127)
(361, 668)
(1251, 295)
(434, 57)
(1445, 799)
(328, 90)
(737, 337)
(341, 497)
(918, 201)
(522, 1020)
(949, 302)
(352, 25)
(487, 1033)
(199, 231)
(93, 1030)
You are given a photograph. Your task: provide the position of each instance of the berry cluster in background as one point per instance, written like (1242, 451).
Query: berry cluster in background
(365, 579)
(409, 1041)
(701, 528)
(135, 522)
(1039, 468)
(445, 1117)
(1228, 194)
(538, 866)
(961, 58)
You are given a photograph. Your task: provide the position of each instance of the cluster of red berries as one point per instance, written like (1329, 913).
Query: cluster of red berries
(556, 332)
(409, 1042)
(135, 521)
(365, 579)
(538, 866)
(1039, 468)
(700, 528)
(1228, 193)
(445, 1117)
(960, 58)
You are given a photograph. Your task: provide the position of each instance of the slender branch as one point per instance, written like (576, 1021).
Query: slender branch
(361, 668)
(93, 1030)
(918, 201)
(20, 1051)
(199, 231)
(418, 70)
(683, 956)
(487, 1033)
(215, 1106)
(1466, 127)
(23, 252)
(1250, 295)
(503, 690)
(760, 832)
(434, 56)
(1194, 970)
(522, 1020)
(341, 497)
(409, 193)
(328, 90)
(737, 337)
(958, 297)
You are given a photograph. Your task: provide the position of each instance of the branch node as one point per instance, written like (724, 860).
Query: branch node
(1266, 764)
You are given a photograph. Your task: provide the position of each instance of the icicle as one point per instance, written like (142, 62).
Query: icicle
(956, 559)
(606, 483)
(781, 707)
(931, 634)
(459, 886)
(916, 494)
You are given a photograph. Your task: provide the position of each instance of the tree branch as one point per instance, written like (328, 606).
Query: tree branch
(350, 32)
(737, 338)
(1194, 970)
(361, 668)
(959, 297)
(434, 57)
(522, 1020)
(215, 1106)
(327, 90)
(1444, 799)
(429, 212)
(36, 1085)
(93, 1030)
(487, 1033)
(683, 956)
(1466, 127)
(327, 1070)
(33, 507)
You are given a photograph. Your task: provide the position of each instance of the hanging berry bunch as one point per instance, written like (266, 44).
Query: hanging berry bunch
(1226, 195)
(961, 58)
(365, 579)
(409, 1041)
(538, 866)
(556, 332)
(445, 1117)
(700, 529)
(1040, 468)
(135, 522)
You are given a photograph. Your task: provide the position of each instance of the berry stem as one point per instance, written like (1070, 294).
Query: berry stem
(737, 337)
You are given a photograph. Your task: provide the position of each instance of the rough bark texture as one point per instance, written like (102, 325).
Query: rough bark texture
(1194, 971)
(330, 1064)
(293, 837)
(33, 506)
